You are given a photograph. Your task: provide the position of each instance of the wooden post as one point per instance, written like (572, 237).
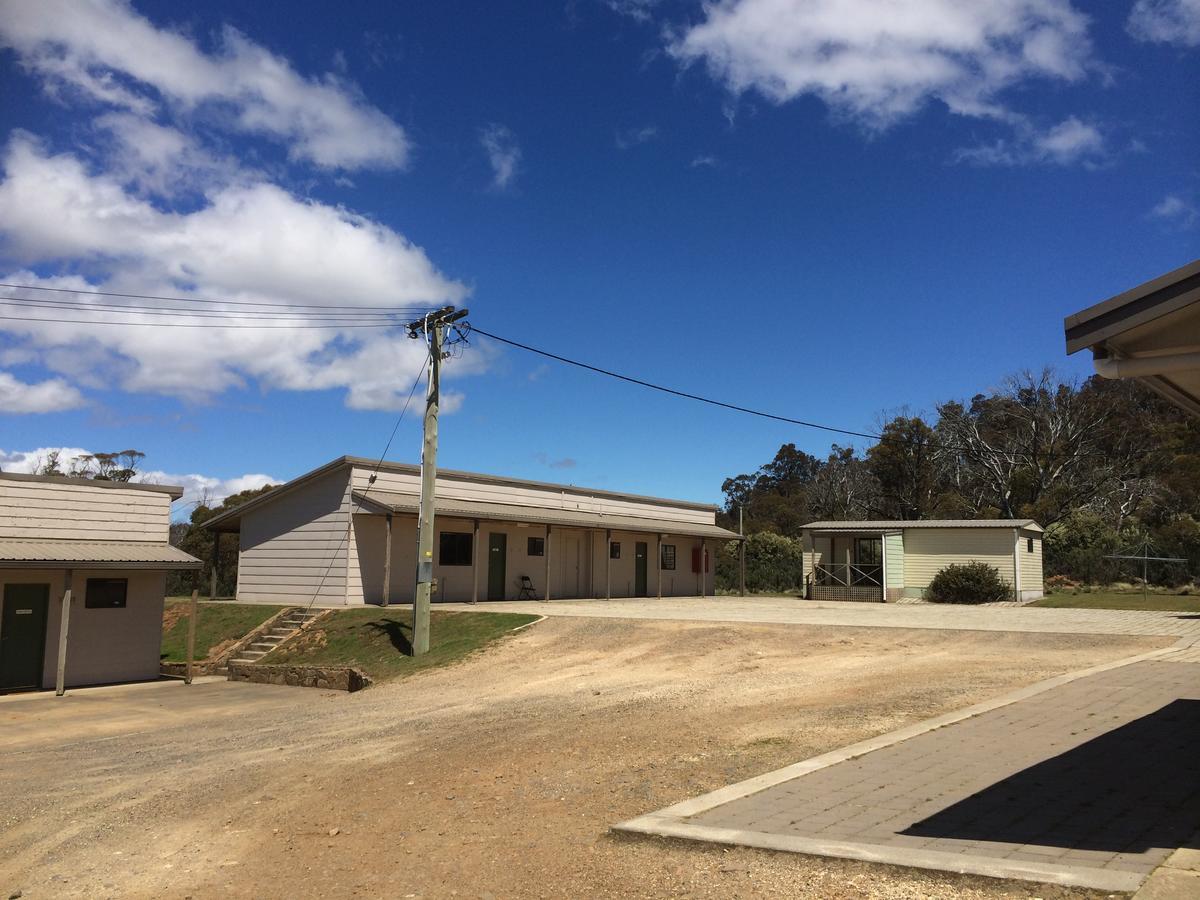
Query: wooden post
(742, 557)
(475, 562)
(193, 614)
(658, 566)
(608, 564)
(60, 683)
(387, 560)
(703, 579)
(546, 593)
(216, 562)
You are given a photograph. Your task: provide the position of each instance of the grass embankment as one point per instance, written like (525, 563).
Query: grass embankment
(379, 642)
(1156, 600)
(218, 626)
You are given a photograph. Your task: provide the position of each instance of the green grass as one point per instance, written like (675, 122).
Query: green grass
(1121, 600)
(217, 624)
(379, 641)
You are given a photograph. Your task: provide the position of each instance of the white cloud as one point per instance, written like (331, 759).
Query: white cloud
(52, 395)
(635, 137)
(638, 10)
(503, 153)
(876, 62)
(703, 161)
(105, 50)
(1070, 142)
(1166, 21)
(248, 241)
(1175, 210)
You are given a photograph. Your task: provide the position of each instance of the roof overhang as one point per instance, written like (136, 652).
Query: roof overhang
(880, 527)
(408, 504)
(15, 554)
(174, 491)
(1150, 332)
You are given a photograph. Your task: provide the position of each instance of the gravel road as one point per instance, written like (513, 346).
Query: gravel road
(497, 777)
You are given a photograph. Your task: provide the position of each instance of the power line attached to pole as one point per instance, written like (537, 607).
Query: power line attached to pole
(433, 327)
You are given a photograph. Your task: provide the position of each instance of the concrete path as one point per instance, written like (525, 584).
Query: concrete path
(1087, 779)
(793, 611)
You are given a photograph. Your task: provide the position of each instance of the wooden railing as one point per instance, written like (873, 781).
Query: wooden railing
(848, 575)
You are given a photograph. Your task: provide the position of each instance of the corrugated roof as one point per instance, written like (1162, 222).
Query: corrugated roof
(898, 525)
(230, 519)
(173, 489)
(95, 555)
(504, 512)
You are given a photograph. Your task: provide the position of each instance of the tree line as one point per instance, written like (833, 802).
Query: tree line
(1105, 466)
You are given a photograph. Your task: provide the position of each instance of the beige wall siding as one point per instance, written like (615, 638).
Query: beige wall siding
(297, 547)
(516, 495)
(929, 550)
(577, 561)
(104, 646)
(42, 510)
(1032, 585)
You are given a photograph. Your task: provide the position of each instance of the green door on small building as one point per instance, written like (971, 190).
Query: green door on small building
(23, 636)
(640, 550)
(497, 560)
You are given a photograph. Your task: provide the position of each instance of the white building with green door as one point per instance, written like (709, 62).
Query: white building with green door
(887, 561)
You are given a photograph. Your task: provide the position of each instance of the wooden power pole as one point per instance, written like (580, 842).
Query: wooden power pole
(434, 328)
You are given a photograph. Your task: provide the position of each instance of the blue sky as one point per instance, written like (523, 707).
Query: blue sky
(830, 209)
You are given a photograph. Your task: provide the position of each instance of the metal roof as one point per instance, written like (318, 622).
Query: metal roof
(94, 555)
(230, 518)
(900, 525)
(395, 502)
(1158, 318)
(173, 489)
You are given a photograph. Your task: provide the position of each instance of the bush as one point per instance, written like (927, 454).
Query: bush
(975, 582)
(773, 564)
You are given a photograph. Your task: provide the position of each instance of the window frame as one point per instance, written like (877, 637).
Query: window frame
(535, 546)
(614, 549)
(457, 546)
(1028, 545)
(663, 557)
(91, 602)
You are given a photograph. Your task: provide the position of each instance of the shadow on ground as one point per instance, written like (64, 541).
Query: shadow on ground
(397, 633)
(1131, 789)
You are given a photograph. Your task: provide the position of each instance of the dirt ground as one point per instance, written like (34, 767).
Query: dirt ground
(498, 777)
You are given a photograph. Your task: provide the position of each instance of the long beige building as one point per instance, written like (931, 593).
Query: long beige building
(891, 560)
(97, 551)
(346, 533)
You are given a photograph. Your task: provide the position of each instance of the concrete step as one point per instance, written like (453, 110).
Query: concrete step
(261, 647)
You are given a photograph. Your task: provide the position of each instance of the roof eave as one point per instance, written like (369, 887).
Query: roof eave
(1174, 290)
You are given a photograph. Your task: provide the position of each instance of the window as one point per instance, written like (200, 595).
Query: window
(106, 593)
(1028, 545)
(668, 557)
(614, 550)
(868, 551)
(454, 549)
(536, 547)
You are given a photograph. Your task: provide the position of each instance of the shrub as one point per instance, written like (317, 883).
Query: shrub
(975, 582)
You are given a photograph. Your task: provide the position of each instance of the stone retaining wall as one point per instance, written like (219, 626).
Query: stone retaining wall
(332, 678)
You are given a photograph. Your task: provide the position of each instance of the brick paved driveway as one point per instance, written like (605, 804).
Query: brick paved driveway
(1086, 780)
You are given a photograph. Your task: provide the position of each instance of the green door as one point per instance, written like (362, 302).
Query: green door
(23, 636)
(497, 557)
(639, 573)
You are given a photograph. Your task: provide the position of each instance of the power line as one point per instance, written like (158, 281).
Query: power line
(232, 315)
(249, 327)
(370, 484)
(676, 393)
(98, 293)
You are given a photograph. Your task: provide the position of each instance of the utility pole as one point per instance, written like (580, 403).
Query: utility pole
(434, 328)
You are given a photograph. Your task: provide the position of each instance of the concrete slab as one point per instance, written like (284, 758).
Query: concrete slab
(1084, 780)
(793, 611)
